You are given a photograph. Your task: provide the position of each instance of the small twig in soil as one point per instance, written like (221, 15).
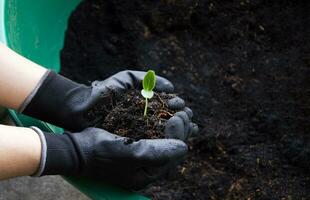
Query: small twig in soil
(160, 99)
(164, 112)
(111, 95)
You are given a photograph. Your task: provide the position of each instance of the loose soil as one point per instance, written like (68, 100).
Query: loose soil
(124, 115)
(242, 66)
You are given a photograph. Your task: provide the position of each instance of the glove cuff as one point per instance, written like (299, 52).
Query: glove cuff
(58, 155)
(62, 157)
(33, 92)
(43, 152)
(47, 101)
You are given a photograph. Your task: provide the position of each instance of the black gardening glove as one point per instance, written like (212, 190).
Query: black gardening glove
(180, 126)
(66, 103)
(108, 157)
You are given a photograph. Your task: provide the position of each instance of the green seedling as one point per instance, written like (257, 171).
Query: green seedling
(148, 84)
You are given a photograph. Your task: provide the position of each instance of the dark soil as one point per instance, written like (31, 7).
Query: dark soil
(242, 66)
(125, 116)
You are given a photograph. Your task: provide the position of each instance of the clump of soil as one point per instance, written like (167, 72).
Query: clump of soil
(126, 118)
(242, 66)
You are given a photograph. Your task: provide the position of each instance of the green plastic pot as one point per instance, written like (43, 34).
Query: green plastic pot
(35, 29)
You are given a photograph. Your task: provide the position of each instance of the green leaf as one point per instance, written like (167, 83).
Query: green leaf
(147, 94)
(149, 81)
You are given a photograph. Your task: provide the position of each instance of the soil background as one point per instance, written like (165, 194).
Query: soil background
(242, 66)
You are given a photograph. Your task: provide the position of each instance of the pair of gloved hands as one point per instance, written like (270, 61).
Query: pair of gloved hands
(96, 152)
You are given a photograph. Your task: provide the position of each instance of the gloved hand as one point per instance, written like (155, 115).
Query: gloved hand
(118, 160)
(180, 125)
(66, 103)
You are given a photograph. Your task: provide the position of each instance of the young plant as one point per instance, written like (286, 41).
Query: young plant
(148, 84)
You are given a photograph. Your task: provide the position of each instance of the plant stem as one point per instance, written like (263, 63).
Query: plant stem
(145, 108)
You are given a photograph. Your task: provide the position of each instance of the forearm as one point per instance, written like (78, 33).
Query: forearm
(18, 77)
(20, 152)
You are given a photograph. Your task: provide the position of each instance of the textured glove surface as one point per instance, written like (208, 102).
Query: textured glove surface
(105, 156)
(180, 126)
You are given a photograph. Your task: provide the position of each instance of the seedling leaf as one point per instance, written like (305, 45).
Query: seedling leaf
(149, 81)
(148, 84)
